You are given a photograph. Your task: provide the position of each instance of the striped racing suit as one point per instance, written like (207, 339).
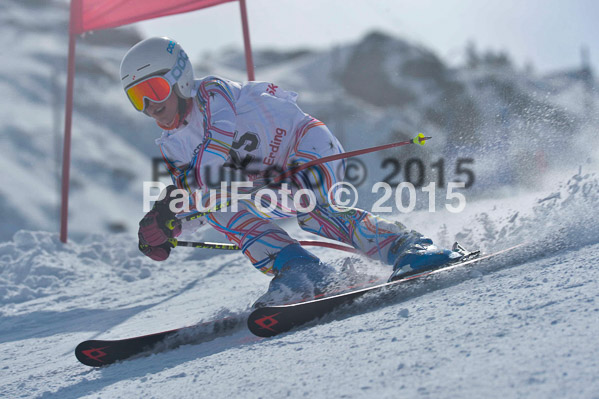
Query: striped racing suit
(258, 127)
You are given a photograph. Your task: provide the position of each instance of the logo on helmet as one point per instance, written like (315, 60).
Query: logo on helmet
(171, 46)
(179, 66)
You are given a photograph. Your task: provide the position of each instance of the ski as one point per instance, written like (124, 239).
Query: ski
(272, 320)
(263, 322)
(98, 353)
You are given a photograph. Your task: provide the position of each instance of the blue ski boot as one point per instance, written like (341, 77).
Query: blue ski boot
(419, 254)
(299, 275)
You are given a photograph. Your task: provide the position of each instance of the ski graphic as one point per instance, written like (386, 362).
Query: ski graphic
(98, 353)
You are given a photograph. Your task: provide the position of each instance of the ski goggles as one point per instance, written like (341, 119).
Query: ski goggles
(154, 88)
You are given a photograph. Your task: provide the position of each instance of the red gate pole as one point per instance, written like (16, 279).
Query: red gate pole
(249, 62)
(66, 152)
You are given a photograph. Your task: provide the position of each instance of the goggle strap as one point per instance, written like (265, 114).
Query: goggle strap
(169, 77)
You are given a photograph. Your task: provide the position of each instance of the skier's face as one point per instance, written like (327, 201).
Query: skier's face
(163, 112)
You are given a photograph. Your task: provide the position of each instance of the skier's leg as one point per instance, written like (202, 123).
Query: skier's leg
(298, 273)
(372, 235)
(259, 238)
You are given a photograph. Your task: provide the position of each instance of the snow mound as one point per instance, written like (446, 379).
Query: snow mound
(566, 218)
(36, 264)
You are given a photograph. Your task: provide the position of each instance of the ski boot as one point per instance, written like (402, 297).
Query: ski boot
(422, 255)
(299, 276)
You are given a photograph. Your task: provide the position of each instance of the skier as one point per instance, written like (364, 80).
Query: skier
(211, 123)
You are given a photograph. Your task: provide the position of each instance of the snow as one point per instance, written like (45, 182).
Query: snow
(522, 327)
(535, 119)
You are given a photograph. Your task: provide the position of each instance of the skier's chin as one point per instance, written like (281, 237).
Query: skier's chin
(165, 121)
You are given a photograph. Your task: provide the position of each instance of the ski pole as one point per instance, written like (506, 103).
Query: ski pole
(233, 247)
(419, 139)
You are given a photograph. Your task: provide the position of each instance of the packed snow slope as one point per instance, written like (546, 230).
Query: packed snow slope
(525, 327)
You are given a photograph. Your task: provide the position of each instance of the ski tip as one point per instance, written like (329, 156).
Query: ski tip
(262, 322)
(93, 353)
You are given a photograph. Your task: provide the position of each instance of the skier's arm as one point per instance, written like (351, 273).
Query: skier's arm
(154, 233)
(217, 101)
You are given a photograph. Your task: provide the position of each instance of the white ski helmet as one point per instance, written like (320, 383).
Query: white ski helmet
(154, 57)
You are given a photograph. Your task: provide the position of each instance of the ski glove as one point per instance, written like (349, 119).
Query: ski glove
(160, 224)
(159, 253)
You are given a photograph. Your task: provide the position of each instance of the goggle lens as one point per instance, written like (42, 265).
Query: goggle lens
(156, 89)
